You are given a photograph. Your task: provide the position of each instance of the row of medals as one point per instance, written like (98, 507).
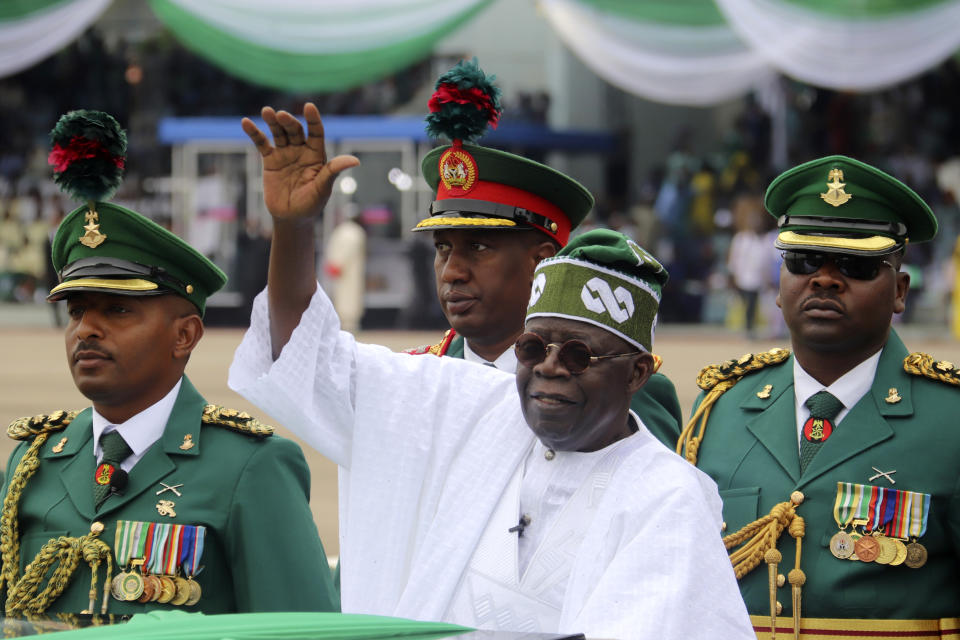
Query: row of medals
(130, 586)
(875, 547)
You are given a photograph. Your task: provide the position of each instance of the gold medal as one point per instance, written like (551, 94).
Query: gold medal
(888, 550)
(131, 587)
(168, 589)
(157, 587)
(183, 591)
(901, 553)
(841, 545)
(916, 555)
(195, 592)
(867, 548)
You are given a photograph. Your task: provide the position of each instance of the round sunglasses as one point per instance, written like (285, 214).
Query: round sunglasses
(574, 355)
(804, 263)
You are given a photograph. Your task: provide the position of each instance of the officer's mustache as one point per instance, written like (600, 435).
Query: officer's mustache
(818, 299)
(90, 347)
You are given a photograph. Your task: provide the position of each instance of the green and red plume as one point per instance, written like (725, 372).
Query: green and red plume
(88, 153)
(465, 102)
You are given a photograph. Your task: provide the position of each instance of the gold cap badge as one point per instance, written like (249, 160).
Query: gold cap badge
(92, 237)
(835, 194)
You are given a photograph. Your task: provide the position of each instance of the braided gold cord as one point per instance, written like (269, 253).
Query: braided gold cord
(921, 364)
(236, 420)
(689, 445)
(9, 523)
(67, 553)
(26, 428)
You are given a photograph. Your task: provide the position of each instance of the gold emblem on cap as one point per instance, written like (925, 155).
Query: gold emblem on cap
(458, 170)
(835, 194)
(92, 237)
(893, 396)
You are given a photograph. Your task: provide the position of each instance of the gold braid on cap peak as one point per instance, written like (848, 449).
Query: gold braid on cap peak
(921, 364)
(234, 420)
(26, 428)
(64, 552)
(716, 379)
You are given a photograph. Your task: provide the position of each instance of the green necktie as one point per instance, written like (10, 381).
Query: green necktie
(115, 451)
(823, 407)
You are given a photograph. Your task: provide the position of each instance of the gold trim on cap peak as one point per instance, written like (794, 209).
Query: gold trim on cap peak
(105, 283)
(873, 243)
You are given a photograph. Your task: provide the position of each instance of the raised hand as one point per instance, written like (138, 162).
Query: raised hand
(297, 177)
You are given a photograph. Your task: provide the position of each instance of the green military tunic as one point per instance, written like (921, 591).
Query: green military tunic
(656, 403)
(750, 448)
(262, 551)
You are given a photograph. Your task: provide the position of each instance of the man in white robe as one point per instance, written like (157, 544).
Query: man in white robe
(551, 509)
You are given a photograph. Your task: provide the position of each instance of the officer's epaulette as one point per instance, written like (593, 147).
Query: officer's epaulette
(438, 349)
(26, 428)
(921, 364)
(711, 375)
(235, 420)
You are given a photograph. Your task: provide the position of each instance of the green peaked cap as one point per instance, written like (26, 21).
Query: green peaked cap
(110, 249)
(605, 279)
(838, 204)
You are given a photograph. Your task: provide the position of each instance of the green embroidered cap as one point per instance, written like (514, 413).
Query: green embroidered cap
(841, 205)
(605, 279)
(104, 247)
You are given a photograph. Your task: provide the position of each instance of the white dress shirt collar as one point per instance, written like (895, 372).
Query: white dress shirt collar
(140, 431)
(848, 388)
(506, 361)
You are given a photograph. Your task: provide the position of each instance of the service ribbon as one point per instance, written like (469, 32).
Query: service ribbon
(919, 509)
(193, 566)
(187, 537)
(876, 504)
(887, 507)
(146, 546)
(171, 552)
(844, 506)
(897, 527)
(160, 533)
(863, 499)
(123, 542)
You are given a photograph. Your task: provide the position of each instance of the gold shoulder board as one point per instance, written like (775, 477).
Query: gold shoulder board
(713, 374)
(235, 421)
(921, 364)
(26, 428)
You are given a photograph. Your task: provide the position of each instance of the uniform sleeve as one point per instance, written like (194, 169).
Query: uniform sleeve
(660, 570)
(278, 561)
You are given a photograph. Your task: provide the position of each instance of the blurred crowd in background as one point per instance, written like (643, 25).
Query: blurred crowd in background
(701, 214)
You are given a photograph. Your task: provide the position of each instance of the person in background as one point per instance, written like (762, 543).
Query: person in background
(344, 262)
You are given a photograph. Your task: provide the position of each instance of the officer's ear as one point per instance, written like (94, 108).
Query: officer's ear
(189, 330)
(543, 250)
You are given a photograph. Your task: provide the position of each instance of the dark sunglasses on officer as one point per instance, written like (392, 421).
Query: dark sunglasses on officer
(574, 355)
(804, 263)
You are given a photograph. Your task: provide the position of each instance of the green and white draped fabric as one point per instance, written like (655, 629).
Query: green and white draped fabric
(672, 51)
(848, 44)
(313, 45)
(31, 30)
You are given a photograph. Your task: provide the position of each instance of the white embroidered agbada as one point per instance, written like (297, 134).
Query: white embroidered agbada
(433, 454)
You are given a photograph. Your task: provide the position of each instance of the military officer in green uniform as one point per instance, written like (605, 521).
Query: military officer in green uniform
(836, 460)
(151, 498)
(495, 217)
